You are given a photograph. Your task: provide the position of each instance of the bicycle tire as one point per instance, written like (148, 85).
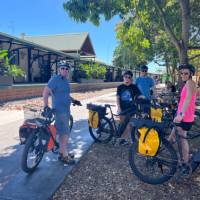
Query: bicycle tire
(194, 165)
(105, 126)
(71, 122)
(156, 160)
(30, 145)
(133, 134)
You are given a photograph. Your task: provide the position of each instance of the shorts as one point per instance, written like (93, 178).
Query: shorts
(186, 126)
(62, 123)
(144, 105)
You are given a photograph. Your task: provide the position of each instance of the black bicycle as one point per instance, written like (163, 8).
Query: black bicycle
(163, 166)
(108, 127)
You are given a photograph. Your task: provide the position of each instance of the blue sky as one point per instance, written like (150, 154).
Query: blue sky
(43, 17)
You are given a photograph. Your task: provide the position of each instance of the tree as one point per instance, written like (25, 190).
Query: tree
(180, 20)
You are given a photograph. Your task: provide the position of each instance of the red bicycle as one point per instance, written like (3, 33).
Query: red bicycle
(38, 134)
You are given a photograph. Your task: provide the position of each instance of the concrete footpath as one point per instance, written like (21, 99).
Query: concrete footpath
(17, 185)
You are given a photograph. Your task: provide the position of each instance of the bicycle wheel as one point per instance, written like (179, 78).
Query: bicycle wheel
(133, 134)
(157, 169)
(32, 153)
(194, 165)
(71, 122)
(104, 132)
(196, 125)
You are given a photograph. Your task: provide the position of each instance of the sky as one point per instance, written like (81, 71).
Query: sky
(45, 17)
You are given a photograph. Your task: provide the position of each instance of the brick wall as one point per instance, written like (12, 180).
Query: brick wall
(35, 90)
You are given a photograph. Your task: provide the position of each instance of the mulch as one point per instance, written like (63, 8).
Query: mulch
(18, 105)
(104, 173)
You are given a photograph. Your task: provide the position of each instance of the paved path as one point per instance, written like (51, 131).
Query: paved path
(17, 185)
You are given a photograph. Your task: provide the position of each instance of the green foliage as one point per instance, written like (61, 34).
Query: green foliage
(90, 10)
(9, 69)
(149, 30)
(95, 71)
(194, 56)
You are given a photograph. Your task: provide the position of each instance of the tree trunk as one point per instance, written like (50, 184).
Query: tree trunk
(182, 43)
(182, 52)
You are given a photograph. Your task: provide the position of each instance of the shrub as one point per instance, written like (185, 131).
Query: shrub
(9, 69)
(95, 71)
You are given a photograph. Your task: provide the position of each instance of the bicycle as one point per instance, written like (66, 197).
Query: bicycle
(108, 128)
(38, 134)
(163, 166)
(30, 112)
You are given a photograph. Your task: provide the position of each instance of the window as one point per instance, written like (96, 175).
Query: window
(14, 57)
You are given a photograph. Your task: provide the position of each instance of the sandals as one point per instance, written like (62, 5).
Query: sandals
(69, 159)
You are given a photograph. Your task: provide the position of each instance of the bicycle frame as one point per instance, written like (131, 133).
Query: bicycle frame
(189, 137)
(122, 126)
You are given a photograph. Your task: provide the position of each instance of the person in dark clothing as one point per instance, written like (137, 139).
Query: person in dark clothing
(126, 95)
(170, 87)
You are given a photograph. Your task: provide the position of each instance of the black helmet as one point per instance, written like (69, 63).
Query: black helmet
(144, 67)
(128, 73)
(188, 66)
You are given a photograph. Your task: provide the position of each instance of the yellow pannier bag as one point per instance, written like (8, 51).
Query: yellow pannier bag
(156, 114)
(93, 119)
(149, 141)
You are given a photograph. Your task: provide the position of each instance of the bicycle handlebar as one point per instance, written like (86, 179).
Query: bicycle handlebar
(109, 105)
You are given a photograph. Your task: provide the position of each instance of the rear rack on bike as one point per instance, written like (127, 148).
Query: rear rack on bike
(32, 111)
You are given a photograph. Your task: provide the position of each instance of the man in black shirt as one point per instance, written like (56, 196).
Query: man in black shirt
(126, 95)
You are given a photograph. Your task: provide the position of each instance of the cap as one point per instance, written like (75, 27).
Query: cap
(143, 67)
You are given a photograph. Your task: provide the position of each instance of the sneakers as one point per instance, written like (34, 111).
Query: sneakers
(69, 159)
(121, 142)
(186, 169)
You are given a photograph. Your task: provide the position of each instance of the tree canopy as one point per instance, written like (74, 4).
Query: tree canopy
(163, 31)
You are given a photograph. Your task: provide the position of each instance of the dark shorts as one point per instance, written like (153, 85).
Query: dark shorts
(62, 123)
(144, 105)
(186, 126)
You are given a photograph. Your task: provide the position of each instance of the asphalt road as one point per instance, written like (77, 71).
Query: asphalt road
(16, 184)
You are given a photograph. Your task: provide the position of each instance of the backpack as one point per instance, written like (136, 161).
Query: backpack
(96, 113)
(149, 141)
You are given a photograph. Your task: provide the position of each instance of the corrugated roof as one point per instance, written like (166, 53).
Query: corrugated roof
(61, 42)
(21, 41)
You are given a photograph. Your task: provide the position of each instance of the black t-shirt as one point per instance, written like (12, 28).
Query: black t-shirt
(127, 95)
(173, 88)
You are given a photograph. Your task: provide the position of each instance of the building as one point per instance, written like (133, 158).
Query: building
(38, 55)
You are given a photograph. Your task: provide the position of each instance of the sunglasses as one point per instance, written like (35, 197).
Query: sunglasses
(129, 77)
(185, 73)
(64, 68)
(144, 70)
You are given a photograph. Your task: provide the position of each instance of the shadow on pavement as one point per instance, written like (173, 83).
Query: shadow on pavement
(17, 185)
